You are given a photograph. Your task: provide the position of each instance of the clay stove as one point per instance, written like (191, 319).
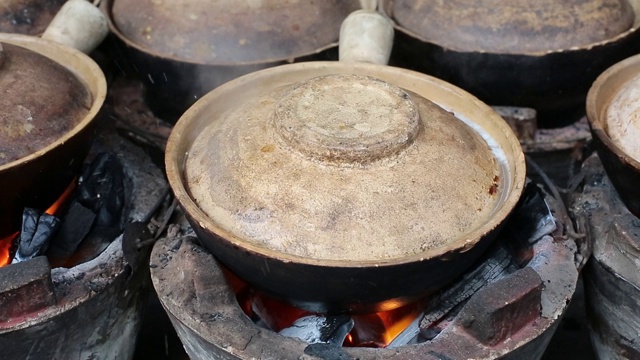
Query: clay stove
(91, 310)
(508, 316)
(612, 276)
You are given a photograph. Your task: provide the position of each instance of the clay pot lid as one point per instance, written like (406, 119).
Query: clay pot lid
(622, 118)
(29, 17)
(41, 101)
(229, 31)
(513, 27)
(343, 167)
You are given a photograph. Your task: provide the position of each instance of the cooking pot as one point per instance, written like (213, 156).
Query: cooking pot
(181, 50)
(29, 17)
(539, 54)
(52, 94)
(337, 185)
(613, 110)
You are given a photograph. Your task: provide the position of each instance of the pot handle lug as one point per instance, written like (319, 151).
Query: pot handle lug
(78, 24)
(366, 36)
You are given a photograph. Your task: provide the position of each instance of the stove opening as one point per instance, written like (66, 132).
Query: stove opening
(78, 225)
(392, 328)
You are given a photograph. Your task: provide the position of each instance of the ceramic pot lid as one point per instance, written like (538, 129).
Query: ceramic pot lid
(514, 27)
(230, 31)
(622, 118)
(343, 167)
(41, 101)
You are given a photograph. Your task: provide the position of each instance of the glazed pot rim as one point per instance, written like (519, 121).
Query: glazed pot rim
(633, 29)
(69, 58)
(177, 151)
(598, 102)
(106, 5)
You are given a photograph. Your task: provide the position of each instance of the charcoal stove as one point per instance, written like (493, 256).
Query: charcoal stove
(93, 309)
(612, 281)
(511, 317)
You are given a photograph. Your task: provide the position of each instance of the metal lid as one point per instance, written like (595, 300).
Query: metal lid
(343, 167)
(517, 26)
(230, 31)
(41, 101)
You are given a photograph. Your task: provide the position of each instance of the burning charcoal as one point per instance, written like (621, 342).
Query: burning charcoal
(37, 231)
(77, 223)
(102, 189)
(408, 336)
(320, 329)
(530, 221)
(496, 265)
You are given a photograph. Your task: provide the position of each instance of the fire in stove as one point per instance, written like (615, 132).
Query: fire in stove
(503, 305)
(93, 200)
(379, 329)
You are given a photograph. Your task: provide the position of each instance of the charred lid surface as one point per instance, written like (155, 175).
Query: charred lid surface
(230, 31)
(27, 16)
(343, 167)
(41, 101)
(514, 27)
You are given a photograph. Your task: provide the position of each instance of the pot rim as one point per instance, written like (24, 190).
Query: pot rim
(599, 97)
(106, 6)
(85, 70)
(635, 4)
(175, 159)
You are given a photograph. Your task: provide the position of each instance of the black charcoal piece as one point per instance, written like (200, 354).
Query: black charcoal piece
(320, 329)
(102, 189)
(37, 232)
(77, 223)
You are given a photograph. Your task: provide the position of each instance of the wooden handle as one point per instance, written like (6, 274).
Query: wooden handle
(78, 24)
(366, 36)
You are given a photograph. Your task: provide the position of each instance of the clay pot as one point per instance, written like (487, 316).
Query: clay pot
(344, 186)
(613, 108)
(52, 95)
(539, 54)
(182, 50)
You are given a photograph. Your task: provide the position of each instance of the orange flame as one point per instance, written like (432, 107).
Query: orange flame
(5, 244)
(370, 330)
(396, 321)
(380, 329)
(53, 209)
(5, 248)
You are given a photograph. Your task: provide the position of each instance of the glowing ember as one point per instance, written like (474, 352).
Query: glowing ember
(370, 330)
(5, 249)
(379, 329)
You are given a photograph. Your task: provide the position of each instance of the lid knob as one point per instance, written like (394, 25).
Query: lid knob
(347, 119)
